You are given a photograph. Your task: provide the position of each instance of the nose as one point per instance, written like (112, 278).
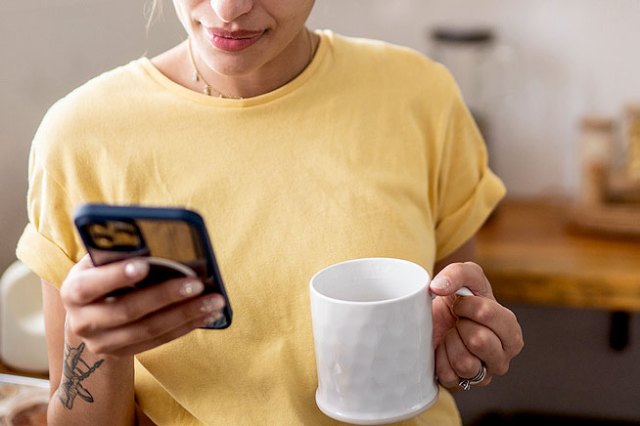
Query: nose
(230, 10)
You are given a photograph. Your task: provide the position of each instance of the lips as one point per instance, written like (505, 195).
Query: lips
(233, 41)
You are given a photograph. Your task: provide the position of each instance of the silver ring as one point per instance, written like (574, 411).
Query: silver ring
(466, 384)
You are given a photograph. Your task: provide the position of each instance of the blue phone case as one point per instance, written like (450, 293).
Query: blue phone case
(111, 233)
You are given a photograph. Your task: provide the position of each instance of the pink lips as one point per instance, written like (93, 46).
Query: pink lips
(233, 41)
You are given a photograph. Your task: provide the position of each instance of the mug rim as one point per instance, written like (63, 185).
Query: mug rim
(424, 287)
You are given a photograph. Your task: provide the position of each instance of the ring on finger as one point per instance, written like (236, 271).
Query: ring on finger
(466, 384)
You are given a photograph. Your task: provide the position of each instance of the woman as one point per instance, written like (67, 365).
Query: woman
(300, 149)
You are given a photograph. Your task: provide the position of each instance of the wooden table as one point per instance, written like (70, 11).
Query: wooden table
(532, 255)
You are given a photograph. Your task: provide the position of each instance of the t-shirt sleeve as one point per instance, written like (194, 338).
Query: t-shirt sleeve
(467, 190)
(48, 238)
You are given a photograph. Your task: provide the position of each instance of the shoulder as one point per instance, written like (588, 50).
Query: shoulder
(391, 66)
(99, 92)
(89, 108)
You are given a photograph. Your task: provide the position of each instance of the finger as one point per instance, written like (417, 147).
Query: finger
(444, 372)
(167, 337)
(84, 263)
(457, 275)
(500, 320)
(464, 363)
(88, 285)
(447, 376)
(132, 306)
(151, 328)
(484, 344)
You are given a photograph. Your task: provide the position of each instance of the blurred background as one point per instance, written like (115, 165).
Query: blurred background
(532, 71)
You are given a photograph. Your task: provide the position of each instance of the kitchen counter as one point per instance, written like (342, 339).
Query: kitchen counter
(532, 254)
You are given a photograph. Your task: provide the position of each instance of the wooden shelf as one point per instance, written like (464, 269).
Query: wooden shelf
(531, 254)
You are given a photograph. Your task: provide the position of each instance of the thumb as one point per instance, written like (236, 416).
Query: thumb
(441, 285)
(457, 275)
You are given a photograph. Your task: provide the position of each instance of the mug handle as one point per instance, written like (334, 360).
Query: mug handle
(462, 291)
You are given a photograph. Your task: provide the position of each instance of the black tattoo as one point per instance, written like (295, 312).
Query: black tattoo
(74, 375)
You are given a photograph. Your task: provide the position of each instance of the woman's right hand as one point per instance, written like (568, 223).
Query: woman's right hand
(138, 320)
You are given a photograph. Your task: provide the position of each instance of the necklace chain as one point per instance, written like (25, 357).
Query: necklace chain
(197, 77)
(208, 88)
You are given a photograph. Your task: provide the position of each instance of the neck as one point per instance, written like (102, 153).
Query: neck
(260, 80)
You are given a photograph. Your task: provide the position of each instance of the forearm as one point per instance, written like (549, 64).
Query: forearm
(93, 390)
(91, 338)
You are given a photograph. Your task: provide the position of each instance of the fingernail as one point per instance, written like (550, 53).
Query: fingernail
(136, 268)
(191, 288)
(440, 283)
(212, 304)
(212, 318)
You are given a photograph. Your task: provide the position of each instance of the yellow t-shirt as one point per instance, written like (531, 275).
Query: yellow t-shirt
(370, 152)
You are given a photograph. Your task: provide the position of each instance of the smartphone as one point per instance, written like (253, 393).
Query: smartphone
(175, 242)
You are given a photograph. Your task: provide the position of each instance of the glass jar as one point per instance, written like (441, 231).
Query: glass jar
(480, 65)
(468, 54)
(597, 139)
(633, 142)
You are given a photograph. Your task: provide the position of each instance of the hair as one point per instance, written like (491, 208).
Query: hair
(152, 10)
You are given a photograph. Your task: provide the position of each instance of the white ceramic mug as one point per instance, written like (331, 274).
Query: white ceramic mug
(372, 329)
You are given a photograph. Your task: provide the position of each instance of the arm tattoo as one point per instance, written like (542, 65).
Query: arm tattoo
(74, 375)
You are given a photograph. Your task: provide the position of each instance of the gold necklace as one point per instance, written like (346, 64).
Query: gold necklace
(197, 77)
(208, 89)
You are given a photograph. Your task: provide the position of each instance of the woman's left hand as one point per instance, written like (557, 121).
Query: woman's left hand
(473, 332)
